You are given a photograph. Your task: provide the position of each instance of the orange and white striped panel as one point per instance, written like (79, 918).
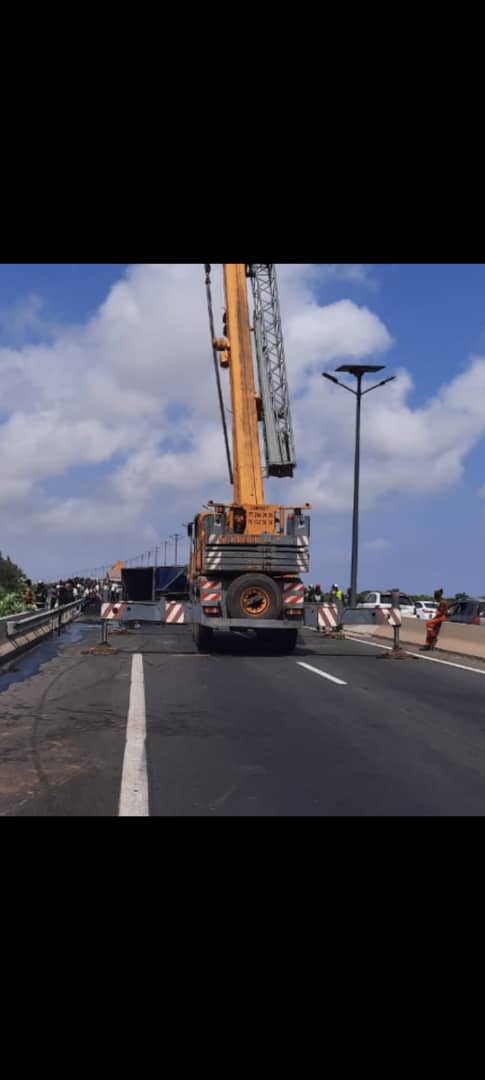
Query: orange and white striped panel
(389, 616)
(327, 616)
(210, 591)
(293, 593)
(113, 611)
(174, 612)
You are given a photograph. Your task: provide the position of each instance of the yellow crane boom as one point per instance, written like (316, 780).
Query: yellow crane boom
(237, 354)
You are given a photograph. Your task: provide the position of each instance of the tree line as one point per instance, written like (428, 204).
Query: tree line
(12, 583)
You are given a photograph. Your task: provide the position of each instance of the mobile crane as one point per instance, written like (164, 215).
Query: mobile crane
(247, 556)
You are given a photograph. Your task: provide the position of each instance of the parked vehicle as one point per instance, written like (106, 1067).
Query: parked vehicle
(471, 610)
(384, 599)
(425, 609)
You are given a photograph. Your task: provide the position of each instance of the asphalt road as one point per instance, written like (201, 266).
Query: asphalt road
(238, 733)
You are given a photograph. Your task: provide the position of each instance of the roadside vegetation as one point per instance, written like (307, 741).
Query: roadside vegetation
(12, 584)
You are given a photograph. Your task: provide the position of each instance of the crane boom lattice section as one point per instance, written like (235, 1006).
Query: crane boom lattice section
(273, 380)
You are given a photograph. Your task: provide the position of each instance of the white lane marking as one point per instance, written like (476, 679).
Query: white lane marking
(420, 656)
(134, 780)
(364, 641)
(324, 674)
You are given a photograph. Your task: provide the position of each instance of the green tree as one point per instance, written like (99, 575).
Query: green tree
(11, 576)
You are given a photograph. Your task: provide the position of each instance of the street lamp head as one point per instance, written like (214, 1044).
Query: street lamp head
(331, 377)
(384, 381)
(360, 369)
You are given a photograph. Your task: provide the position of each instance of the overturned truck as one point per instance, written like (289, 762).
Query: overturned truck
(154, 594)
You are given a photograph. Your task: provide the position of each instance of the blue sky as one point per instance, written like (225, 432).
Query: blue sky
(70, 292)
(108, 415)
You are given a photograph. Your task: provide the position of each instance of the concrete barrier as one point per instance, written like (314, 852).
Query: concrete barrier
(461, 638)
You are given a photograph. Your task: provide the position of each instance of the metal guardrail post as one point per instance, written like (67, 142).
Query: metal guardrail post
(103, 648)
(396, 653)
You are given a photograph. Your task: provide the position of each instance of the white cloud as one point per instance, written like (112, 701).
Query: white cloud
(377, 546)
(359, 273)
(21, 317)
(338, 330)
(107, 390)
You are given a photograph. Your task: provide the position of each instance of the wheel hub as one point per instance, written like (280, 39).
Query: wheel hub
(255, 600)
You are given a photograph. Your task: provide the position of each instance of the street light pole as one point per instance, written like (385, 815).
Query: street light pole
(358, 370)
(355, 515)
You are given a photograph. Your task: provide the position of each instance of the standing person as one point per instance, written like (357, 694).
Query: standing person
(318, 594)
(52, 596)
(336, 597)
(337, 601)
(433, 625)
(40, 595)
(28, 594)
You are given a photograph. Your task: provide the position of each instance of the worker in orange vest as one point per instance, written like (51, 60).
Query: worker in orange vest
(433, 625)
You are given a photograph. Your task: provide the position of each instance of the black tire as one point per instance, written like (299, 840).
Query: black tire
(202, 636)
(279, 641)
(253, 596)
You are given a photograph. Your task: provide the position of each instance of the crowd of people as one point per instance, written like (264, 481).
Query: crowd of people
(45, 596)
(314, 594)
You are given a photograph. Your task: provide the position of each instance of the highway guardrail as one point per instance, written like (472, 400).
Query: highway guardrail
(56, 618)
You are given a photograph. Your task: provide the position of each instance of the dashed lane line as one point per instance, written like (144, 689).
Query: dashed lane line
(324, 674)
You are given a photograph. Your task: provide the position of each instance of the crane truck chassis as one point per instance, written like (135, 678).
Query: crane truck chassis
(243, 579)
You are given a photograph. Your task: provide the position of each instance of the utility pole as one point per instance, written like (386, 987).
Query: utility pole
(165, 545)
(358, 370)
(177, 537)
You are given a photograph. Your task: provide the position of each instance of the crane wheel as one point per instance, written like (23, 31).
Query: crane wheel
(253, 596)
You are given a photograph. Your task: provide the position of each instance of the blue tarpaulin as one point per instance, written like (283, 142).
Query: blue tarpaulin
(171, 579)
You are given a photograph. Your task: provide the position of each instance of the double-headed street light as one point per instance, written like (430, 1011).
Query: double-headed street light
(359, 370)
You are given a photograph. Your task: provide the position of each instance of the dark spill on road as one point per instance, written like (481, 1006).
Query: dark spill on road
(29, 663)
